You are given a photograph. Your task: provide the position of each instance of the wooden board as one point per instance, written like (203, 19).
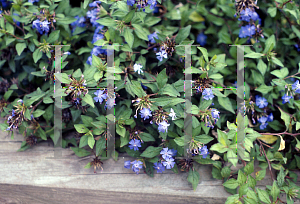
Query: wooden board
(33, 177)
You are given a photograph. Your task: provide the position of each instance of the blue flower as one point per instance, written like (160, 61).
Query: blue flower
(152, 37)
(163, 126)
(204, 151)
(152, 3)
(127, 164)
(246, 15)
(97, 37)
(169, 163)
(13, 112)
(32, 1)
(208, 94)
(31, 117)
(261, 102)
(297, 47)
(77, 101)
(79, 22)
(100, 96)
(45, 26)
(166, 153)
(159, 167)
(255, 17)
(201, 39)
(89, 60)
(138, 68)
(145, 113)
(135, 144)
(215, 113)
(110, 103)
(130, 2)
(94, 4)
(286, 99)
(270, 117)
(174, 152)
(263, 120)
(161, 54)
(247, 31)
(136, 166)
(296, 87)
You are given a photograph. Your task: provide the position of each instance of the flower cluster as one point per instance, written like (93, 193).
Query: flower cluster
(142, 3)
(167, 160)
(208, 94)
(264, 119)
(202, 150)
(17, 116)
(5, 3)
(102, 95)
(80, 22)
(41, 26)
(249, 17)
(76, 87)
(136, 165)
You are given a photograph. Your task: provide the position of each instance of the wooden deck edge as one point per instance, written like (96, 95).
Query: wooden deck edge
(39, 195)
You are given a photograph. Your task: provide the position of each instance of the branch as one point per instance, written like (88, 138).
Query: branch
(270, 168)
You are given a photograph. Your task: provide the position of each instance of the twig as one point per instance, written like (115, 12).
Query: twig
(270, 168)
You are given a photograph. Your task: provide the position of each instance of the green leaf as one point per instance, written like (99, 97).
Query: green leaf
(232, 157)
(193, 178)
(129, 37)
(204, 52)
(263, 195)
(20, 47)
(233, 199)
(91, 141)
(253, 55)
(275, 191)
(162, 79)
(81, 128)
(203, 138)
(151, 152)
(63, 78)
(262, 67)
(269, 44)
(183, 34)
(242, 178)
(38, 113)
(66, 20)
(218, 147)
(280, 177)
(100, 145)
(42, 133)
(87, 120)
(282, 73)
(296, 31)
(272, 11)
(249, 168)
(226, 172)
(129, 16)
(264, 89)
(7, 94)
(86, 3)
(146, 137)
(83, 141)
(225, 103)
(179, 141)
(53, 36)
(277, 61)
(141, 32)
(168, 89)
(251, 182)
(89, 100)
(88, 165)
(216, 76)
(80, 152)
(37, 55)
(286, 118)
(231, 184)
(252, 197)
(260, 175)
(106, 22)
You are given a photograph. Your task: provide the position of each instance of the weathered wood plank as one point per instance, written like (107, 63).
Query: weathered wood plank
(28, 194)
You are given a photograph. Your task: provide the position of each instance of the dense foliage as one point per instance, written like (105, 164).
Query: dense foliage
(149, 91)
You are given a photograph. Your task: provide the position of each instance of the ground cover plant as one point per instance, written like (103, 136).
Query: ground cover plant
(149, 92)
